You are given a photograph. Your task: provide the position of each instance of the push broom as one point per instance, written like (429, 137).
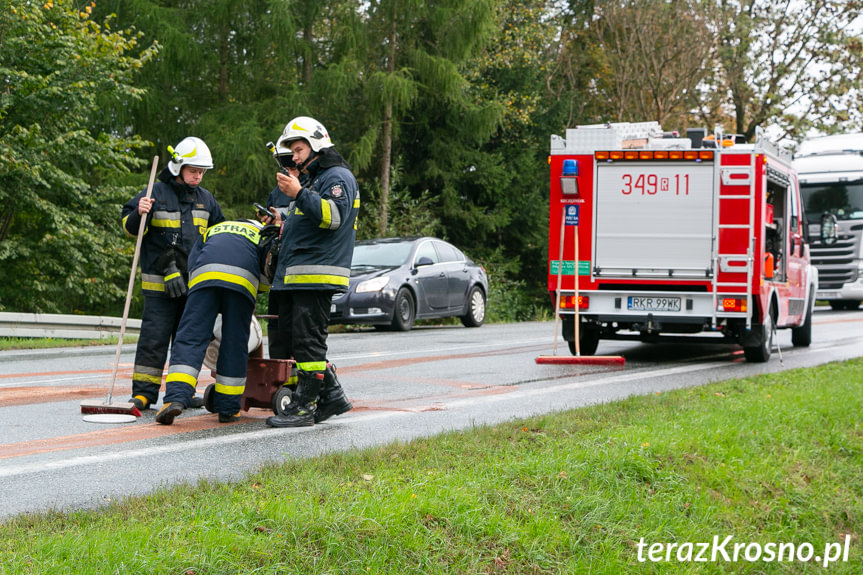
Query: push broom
(108, 412)
(577, 358)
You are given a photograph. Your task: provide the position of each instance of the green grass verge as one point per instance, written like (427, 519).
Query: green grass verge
(774, 459)
(10, 343)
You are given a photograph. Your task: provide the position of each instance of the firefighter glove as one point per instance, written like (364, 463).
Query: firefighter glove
(175, 285)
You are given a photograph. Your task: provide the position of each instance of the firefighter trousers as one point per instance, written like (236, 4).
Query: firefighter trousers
(303, 327)
(193, 337)
(159, 322)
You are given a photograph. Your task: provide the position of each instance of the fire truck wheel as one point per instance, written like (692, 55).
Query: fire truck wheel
(404, 313)
(210, 398)
(588, 341)
(761, 353)
(802, 336)
(475, 315)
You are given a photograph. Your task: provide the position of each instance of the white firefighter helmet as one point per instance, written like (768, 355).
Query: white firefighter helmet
(190, 152)
(251, 222)
(304, 128)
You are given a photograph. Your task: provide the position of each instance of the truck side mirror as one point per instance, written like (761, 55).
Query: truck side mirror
(829, 229)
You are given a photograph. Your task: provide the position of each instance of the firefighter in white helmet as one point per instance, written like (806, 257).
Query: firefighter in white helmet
(178, 212)
(314, 262)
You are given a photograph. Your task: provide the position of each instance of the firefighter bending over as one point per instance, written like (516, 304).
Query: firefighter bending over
(227, 268)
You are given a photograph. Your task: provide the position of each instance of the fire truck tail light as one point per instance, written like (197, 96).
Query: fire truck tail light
(568, 302)
(732, 304)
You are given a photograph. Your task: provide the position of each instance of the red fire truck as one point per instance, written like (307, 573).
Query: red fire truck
(656, 237)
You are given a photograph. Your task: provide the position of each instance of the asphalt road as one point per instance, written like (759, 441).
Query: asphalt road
(402, 385)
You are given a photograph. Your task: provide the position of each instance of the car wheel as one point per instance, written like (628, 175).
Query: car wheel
(475, 315)
(403, 316)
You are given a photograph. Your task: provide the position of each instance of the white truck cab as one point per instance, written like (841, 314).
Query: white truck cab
(830, 169)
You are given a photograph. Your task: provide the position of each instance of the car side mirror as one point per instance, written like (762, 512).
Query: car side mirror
(829, 229)
(424, 261)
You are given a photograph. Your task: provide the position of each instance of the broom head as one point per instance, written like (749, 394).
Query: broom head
(96, 406)
(582, 359)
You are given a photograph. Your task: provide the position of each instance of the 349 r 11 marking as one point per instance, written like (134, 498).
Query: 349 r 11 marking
(650, 184)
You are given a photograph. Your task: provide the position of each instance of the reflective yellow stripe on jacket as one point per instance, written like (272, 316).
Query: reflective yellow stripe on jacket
(331, 275)
(229, 274)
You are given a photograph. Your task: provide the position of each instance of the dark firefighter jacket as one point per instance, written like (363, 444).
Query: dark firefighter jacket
(319, 232)
(179, 216)
(231, 255)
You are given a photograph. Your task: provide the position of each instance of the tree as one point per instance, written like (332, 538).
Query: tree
(656, 54)
(413, 79)
(793, 64)
(60, 74)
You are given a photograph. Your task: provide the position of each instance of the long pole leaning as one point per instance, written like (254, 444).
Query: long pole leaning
(141, 228)
(559, 277)
(576, 305)
(124, 408)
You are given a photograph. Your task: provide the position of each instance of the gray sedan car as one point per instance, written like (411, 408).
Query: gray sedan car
(395, 281)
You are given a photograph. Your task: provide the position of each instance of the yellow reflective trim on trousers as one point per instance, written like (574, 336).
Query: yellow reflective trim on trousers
(312, 366)
(230, 389)
(157, 379)
(221, 276)
(177, 377)
(357, 203)
(317, 279)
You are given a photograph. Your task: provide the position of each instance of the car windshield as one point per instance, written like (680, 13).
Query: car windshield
(842, 199)
(389, 255)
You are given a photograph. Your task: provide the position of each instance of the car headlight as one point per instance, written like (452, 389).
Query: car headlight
(372, 285)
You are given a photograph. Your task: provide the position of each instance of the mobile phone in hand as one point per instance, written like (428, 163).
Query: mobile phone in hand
(264, 211)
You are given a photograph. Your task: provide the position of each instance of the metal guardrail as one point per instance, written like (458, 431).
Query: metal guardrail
(64, 326)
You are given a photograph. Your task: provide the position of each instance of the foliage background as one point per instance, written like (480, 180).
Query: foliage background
(444, 108)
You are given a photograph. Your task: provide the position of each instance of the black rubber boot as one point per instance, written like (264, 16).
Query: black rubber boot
(301, 411)
(168, 412)
(333, 400)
